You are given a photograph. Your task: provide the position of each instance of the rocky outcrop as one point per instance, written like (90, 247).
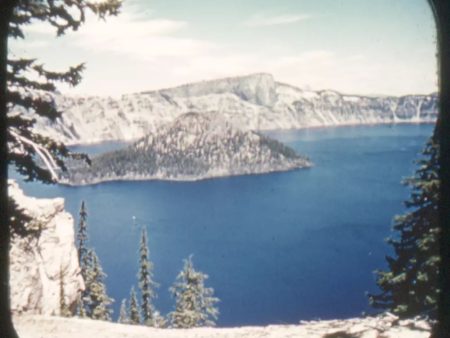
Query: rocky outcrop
(386, 326)
(193, 147)
(254, 102)
(258, 89)
(37, 261)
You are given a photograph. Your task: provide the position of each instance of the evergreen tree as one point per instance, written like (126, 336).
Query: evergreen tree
(97, 301)
(81, 307)
(123, 315)
(146, 284)
(410, 285)
(82, 238)
(135, 316)
(30, 86)
(25, 86)
(64, 310)
(195, 304)
(93, 301)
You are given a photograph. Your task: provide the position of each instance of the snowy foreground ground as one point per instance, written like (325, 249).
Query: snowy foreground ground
(34, 326)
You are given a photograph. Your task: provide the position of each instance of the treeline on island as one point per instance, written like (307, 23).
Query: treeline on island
(195, 304)
(194, 146)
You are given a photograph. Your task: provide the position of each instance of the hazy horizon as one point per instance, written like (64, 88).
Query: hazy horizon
(353, 47)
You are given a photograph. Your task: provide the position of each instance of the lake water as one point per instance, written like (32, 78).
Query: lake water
(278, 248)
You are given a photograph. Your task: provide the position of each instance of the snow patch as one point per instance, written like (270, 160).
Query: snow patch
(381, 326)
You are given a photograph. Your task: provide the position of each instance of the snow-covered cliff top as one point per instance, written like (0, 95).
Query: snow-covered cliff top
(254, 102)
(256, 88)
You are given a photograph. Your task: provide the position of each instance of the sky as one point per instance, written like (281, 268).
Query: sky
(366, 47)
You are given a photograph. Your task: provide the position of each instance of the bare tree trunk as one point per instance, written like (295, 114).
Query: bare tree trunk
(6, 325)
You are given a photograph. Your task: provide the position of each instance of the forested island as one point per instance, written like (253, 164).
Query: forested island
(195, 146)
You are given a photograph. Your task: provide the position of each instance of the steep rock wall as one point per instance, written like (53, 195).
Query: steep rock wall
(36, 261)
(252, 102)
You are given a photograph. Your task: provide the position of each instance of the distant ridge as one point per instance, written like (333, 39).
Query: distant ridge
(253, 102)
(208, 82)
(257, 88)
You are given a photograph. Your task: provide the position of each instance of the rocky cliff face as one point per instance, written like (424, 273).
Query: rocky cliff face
(195, 146)
(36, 261)
(254, 102)
(259, 89)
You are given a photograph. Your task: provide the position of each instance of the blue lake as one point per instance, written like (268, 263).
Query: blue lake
(278, 248)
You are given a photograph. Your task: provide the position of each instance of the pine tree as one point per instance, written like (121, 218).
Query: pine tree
(93, 301)
(81, 307)
(64, 310)
(24, 86)
(82, 238)
(30, 85)
(410, 285)
(146, 284)
(123, 315)
(135, 316)
(97, 301)
(195, 304)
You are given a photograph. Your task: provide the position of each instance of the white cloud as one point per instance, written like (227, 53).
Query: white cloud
(353, 74)
(133, 36)
(316, 69)
(136, 52)
(129, 25)
(259, 20)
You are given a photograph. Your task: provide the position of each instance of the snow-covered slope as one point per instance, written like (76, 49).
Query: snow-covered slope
(38, 260)
(370, 327)
(194, 146)
(255, 102)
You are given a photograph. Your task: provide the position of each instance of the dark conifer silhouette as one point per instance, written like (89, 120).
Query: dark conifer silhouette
(410, 285)
(146, 284)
